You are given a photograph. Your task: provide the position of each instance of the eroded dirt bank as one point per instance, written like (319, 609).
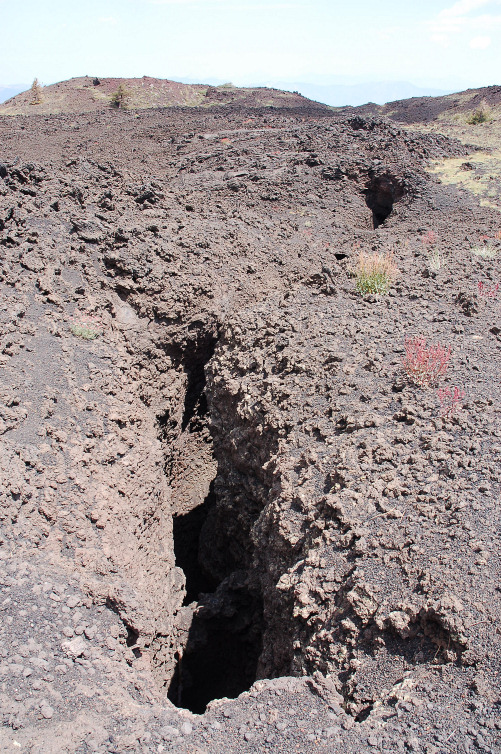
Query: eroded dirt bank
(234, 481)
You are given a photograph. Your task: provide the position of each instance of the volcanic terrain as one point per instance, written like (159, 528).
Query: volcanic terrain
(230, 520)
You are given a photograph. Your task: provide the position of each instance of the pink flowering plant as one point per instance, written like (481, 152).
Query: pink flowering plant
(86, 326)
(451, 400)
(425, 364)
(429, 239)
(486, 292)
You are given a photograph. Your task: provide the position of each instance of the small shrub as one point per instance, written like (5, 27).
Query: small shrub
(451, 400)
(480, 115)
(423, 364)
(86, 326)
(486, 250)
(120, 99)
(375, 273)
(487, 292)
(36, 93)
(436, 259)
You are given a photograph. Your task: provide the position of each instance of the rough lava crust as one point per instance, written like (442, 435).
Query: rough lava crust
(232, 490)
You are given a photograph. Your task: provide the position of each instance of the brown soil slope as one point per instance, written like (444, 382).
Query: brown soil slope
(216, 475)
(88, 94)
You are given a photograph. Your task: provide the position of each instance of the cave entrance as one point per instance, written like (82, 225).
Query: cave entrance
(219, 633)
(380, 196)
(221, 656)
(224, 642)
(186, 532)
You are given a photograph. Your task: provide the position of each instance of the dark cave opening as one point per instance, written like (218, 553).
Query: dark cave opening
(195, 402)
(195, 359)
(186, 531)
(218, 654)
(223, 648)
(380, 196)
(224, 643)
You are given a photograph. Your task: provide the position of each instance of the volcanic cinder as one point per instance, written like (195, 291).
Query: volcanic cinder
(230, 522)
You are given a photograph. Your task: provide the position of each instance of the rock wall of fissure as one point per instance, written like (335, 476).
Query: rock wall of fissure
(216, 641)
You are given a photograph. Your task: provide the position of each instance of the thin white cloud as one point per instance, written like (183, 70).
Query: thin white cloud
(186, 2)
(263, 5)
(480, 43)
(441, 39)
(107, 20)
(462, 17)
(464, 6)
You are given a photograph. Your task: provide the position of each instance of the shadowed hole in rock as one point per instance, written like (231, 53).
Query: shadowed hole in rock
(186, 531)
(223, 648)
(224, 643)
(221, 642)
(132, 635)
(380, 196)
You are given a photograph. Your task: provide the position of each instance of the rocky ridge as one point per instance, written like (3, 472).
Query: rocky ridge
(92, 94)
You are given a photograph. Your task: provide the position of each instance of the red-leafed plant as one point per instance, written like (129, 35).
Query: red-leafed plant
(424, 364)
(487, 292)
(451, 399)
(429, 239)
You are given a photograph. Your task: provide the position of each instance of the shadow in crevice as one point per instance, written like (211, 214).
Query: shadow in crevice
(186, 530)
(132, 635)
(195, 401)
(221, 655)
(380, 196)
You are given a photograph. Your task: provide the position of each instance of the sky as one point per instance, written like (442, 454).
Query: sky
(433, 43)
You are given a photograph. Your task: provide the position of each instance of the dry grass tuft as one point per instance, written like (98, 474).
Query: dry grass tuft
(375, 273)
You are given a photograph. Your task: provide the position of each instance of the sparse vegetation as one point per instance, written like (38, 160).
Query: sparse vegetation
(436, 259)
(486, 250)
(375, 273)
(425, 365)
(121, 98)
(86, 327)
(487, 292)
(480, 115)
(36, 93)
(451, 400)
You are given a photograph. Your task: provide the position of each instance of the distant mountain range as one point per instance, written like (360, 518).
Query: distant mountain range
(90, 94)
(6, 92)
(341, 95)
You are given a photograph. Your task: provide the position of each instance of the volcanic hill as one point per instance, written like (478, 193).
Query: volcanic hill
(90, 94)
(236, 516)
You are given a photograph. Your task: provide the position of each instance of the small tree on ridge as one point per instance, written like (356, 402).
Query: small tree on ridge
(36, 93)
(120, 98)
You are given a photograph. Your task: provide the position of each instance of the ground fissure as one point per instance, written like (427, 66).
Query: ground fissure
(219, 640)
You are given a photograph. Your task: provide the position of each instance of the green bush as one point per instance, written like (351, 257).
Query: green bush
(480, 115)
(120, 99)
